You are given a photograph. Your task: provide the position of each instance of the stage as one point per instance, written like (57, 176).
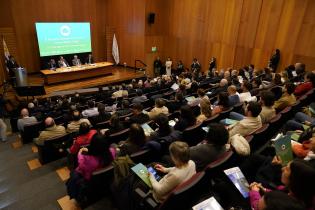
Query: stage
(119, 74)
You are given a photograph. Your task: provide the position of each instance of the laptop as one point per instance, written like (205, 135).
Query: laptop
(238, 179)
(209, 204)
(147, 129)
(142, 172)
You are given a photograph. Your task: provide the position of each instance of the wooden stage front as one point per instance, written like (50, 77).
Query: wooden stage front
(119, 74)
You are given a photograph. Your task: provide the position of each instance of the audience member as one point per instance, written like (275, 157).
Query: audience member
(138, 116)
(223, 103)
(248, 124)
(114, 125)
(208, 151)
(233, 95)
(135, 141)
(307, 85)
(139, 98)
(245, 95)
(267, 100)
(300, 120)
(205, 111)
(91, 111)
(84, 138)
(176, 104)
(125, 108)
(158, 108)
(184, 169)
(164, 130)
(102, 115)
(187, 118)
(26, 119)
(52, 130)
(77, 119)
(287, 98)
(223, 85)
(201, 96)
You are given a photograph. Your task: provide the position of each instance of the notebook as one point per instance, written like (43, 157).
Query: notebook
(209, 204)
(238, 179)
(142, 173)
(284, 149)
(147, 129)
(190, 98)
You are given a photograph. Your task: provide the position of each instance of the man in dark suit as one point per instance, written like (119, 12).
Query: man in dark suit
(62, 63)
(138, 116)
(274, 60)
(89, 59)
(12, 64)
(52, 64)
(157, 66)
(195, 67)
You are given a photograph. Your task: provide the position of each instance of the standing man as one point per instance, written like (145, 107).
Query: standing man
(195, 67)
(89, 59)
(76, 61)
(12, 64)
(157, 66)
(212, 66)
(274, 60)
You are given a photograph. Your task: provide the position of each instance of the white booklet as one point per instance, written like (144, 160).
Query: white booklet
(209, 204)
(238, 179)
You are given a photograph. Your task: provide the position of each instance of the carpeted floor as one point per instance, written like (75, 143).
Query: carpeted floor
(24, 189)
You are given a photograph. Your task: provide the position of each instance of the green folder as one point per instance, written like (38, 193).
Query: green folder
(284, 149)
(142, 173)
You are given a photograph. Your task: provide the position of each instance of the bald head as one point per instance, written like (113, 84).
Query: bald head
(49, 122)
(24, 112)
(223, 82)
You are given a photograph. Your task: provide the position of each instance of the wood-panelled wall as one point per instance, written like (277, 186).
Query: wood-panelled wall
(236, 32)
(240, 32)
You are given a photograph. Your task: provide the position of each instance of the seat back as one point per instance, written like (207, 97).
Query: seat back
(194, 134)
(238, 108)
(53, 149)
(274, 124)
(31, 131)
(102, 125)
(144, 156)
(286, 114)
(186, 194)
(119, 136)
(210, 120)
(225, 114)
(261, 137)
(215, 169)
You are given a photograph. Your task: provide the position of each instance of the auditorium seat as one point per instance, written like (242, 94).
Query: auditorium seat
(225, 114)
(102, 125)
(275, 124)
(261, 137)
(194, 134)
(31, 131)
(144, 156)
(238, 108)
(183, 196)
(119, 136)
(210, 120)
(53, 149)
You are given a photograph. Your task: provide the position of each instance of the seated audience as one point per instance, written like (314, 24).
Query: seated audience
(205, 111)
(245, 95)
(183, 170)
(267, 100)
(287, 98)
(52, 130)
(201, 96)
(233, 95)
(248, 124)
(300, 120)
(223, 85)
(91, 111)
(77, 119)
(164, 130)
(139, 98)
(135, 141)
(102, 115)
(114, 125)
(158, 108)
(84, 138)
(98, 155)
(275, 200)
(223, 103)
(207, 152)
(187, 118)
(176, 104)
(125, 108)
(298, 178)
(138, 116)
(26, 119)
(307, 85)
(120, 92)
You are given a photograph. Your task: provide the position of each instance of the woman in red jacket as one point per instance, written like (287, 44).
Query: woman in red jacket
(84, 138)
(307, 85)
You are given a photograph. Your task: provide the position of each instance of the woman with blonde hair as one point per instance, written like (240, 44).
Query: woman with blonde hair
(205, 109)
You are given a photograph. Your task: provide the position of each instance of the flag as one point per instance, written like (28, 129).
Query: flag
(115, 50)
(6, 53)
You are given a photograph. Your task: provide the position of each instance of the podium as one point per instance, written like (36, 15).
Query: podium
(20, 77)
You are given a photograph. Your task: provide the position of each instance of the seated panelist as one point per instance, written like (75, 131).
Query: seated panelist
(76, 61)
(52, 64)
(62, 63)
(89, 59)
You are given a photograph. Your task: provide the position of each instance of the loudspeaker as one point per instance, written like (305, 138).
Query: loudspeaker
(151, 18)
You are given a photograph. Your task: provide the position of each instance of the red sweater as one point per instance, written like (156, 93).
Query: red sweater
(81, 141)
(303, 88)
